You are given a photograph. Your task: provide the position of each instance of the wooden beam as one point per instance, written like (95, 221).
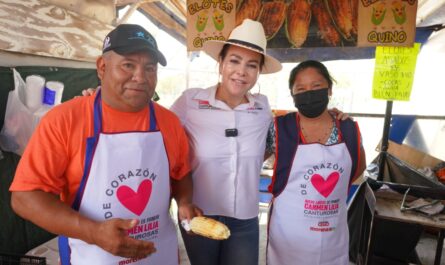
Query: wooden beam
(102, 10)
(180, 5)
(167, 21)
(131, 10)
(125, 2)
(35, 27)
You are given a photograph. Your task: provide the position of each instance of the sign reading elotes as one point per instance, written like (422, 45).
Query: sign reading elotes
(394, 72)
(386, 22)
(209, 20)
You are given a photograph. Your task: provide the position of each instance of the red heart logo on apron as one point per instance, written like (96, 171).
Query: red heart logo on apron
(325, 187)
(135, 201)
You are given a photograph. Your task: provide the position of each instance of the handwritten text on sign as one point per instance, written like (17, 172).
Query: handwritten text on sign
(394, 72)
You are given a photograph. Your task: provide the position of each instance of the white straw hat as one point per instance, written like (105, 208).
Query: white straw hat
(249, 35)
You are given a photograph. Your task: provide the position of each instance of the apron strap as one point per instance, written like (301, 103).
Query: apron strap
(64, 250)
(152, 126)
(97, 113)
(287, 140)
(91, 143)
(351, 137)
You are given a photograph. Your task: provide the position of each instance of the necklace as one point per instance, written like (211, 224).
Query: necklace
(317, 136)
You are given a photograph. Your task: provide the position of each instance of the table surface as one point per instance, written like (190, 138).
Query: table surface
(389, 208)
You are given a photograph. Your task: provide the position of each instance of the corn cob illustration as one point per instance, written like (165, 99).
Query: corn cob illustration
(201, 22)
(398, 10)
(297, 22)
(378, 13)
(272, 16)
(248, 9)
(341, 14)
(209, 227)
(218, 20)
(326, 29)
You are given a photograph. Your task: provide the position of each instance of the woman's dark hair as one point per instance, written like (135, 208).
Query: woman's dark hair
(310, 64)
(225, 48)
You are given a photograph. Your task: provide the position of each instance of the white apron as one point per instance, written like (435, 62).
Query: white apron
(308, 220)
(126, 176)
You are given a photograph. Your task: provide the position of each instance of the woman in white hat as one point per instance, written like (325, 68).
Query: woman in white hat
(227, 127)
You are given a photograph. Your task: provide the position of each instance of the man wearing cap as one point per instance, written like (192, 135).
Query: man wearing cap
(100, 171)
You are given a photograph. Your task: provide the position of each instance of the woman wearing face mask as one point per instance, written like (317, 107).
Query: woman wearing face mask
(227, 127)
(317, 158)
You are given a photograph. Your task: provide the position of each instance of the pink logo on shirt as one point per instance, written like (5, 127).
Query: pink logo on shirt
(203, 102)
(135, 201)
(325, 187)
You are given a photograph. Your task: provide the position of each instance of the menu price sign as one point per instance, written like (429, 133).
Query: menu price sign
(394, 72)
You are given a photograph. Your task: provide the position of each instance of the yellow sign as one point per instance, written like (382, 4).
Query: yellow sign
(208, 20)
(394, 72)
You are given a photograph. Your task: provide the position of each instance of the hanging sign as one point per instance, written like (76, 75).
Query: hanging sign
(306, 23)
(386, 22)
(394, 72)
(209, 20)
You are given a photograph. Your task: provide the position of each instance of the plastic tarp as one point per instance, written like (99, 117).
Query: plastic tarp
(400, 176)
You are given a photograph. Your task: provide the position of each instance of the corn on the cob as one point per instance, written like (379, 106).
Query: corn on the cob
(272, 16)
(209, 227)
(341, 13)
(326, 29)
(297, 22)
(248, 9)
(354, 7)
(238, 3)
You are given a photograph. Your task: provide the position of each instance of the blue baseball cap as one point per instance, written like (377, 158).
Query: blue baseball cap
(130, 38)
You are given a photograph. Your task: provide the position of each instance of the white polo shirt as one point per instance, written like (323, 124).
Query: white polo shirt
(226, 170)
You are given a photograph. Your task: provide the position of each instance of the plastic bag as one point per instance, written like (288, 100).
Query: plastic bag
(20, 122)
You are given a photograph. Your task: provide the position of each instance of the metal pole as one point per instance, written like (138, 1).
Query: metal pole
(384, 147)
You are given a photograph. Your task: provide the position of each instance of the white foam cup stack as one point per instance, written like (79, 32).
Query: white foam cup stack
(35, 85)
(56, 88)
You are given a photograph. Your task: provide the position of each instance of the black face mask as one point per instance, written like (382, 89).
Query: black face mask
(312, 103)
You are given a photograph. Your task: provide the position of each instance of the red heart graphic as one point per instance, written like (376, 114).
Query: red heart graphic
(135, 201)
(325, 187)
